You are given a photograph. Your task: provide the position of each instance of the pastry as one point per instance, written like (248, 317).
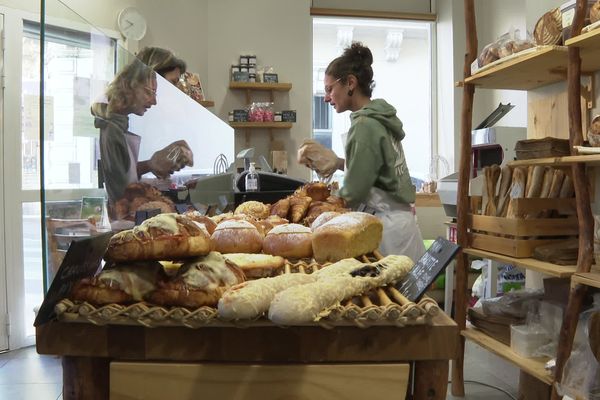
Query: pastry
(281, 208)
(298, 208)
(196, 216)
(255, 209)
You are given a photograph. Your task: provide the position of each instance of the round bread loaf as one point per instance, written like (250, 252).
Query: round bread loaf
(289, 241)
(236, 236)
(196, 216)
(255, 209)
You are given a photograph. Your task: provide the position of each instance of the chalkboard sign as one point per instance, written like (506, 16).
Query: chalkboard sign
(240, 115)
(81, 261)
(288, 115)
(270, 78)
(427, 269)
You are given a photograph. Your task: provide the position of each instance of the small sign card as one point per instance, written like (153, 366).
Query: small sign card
(270, 78)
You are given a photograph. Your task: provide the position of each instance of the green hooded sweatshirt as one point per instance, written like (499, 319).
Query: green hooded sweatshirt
(374, 155)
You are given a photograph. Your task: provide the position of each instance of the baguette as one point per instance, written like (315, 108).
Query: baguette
(505, 180)
(567, 189)
(517, 190)
(535, 182)
(558, 177)
(308, 303)
(491, 180)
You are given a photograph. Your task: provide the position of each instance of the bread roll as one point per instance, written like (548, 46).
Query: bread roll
(256, 265)
(163, 237)
(347, 235)
(233, 236)
(289, 241)
(255, 209)
(208, 223)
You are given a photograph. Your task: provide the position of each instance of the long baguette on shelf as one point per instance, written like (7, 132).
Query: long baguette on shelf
(517, 190)
(307, 303)
(503, 190)
(491, 174)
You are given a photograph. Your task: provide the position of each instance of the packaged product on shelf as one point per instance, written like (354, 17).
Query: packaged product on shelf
(190, 85)
(260, 112)
(507, 44)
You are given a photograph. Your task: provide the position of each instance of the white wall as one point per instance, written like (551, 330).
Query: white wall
(409, 6)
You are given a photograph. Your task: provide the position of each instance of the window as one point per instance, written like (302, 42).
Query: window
(403, 74)
(78, 67)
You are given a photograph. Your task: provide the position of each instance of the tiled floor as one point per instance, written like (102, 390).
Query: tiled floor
(25, 375)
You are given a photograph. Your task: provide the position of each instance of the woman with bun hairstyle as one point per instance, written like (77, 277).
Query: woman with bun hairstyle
(163, 62)
(376, 173)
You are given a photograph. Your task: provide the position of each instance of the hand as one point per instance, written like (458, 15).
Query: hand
(170, 159)
(318, 158)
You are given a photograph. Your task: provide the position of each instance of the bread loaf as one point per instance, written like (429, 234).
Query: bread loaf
(347, 235)
(163, 237)
(323, 218)
(234, 236)
(289, 241)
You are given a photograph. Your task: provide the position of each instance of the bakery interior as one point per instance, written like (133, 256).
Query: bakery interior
(499, 106)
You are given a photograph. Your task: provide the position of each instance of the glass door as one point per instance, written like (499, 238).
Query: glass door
(3, 293)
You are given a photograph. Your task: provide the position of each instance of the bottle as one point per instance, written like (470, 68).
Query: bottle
(252, 181)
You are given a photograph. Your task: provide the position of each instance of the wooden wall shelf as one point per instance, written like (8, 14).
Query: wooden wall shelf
(261, 125)
(207, 103)
(533, 366)
(586, 278)
(559, 271)
(278, 87)
(589, 45)
(591, 159)
(538, 68)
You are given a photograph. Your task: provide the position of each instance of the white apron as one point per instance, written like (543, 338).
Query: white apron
(401, 235)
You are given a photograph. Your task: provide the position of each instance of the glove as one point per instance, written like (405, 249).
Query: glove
(318, 158)
(170, 159)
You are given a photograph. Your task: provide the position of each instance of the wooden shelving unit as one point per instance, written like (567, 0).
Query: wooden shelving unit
(527, 71)
(559, 271)
(540, 67)
(533, 366)
(261, 125)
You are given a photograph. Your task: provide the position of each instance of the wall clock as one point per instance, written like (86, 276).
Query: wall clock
(132, 23)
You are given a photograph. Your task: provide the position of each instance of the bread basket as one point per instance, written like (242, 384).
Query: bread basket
(548, 29)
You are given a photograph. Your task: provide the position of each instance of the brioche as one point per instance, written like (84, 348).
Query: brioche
(255, 209)
(163, 237)
(236, 236)
(347, 235)
(289, 241)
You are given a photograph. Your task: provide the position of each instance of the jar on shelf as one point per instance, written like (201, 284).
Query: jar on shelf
(251, 77)
(277, 116)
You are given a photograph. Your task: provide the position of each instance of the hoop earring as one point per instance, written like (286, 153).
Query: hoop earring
(350, 92)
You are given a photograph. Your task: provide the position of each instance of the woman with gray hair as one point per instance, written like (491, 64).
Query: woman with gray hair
(133, 91)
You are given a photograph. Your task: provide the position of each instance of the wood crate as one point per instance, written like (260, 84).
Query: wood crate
(518, 237)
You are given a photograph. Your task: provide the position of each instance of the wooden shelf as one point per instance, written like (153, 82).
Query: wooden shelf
(547, 64)
(533, 366)
(261, 125)
(589, 46)
(586, 278)
(559, 271)
(592, 159)
(207, 103)
(278, 87)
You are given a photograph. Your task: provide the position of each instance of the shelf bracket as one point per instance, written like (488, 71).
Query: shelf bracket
(587, 90)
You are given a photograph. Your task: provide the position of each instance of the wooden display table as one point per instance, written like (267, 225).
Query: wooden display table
(103, 360)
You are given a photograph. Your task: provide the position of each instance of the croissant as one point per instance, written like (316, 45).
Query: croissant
(281, 208)
(298, 207)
